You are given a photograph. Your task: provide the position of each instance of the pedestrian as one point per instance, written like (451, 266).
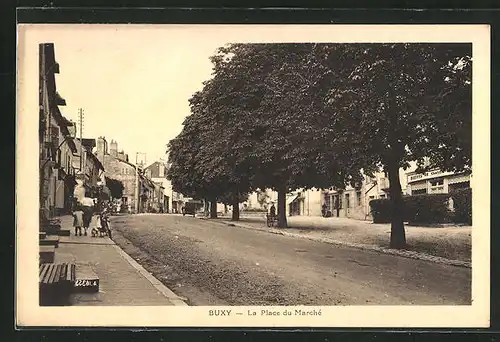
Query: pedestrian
(78, 220)
(104, 217)
(323, 210)
(272, 211)
(96, 224)
(88, 210)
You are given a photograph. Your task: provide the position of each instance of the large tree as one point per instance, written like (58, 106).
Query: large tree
(266, 99)
(399, 103)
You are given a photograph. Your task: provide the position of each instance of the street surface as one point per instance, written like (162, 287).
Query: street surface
(210, 263)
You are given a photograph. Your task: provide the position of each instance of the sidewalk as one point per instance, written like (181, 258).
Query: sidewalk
(122, 281)
(450, 245)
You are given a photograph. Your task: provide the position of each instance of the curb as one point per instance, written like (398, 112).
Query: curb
(402, 253)
(171, 296)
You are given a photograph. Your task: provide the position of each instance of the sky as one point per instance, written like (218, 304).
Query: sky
(133, 83)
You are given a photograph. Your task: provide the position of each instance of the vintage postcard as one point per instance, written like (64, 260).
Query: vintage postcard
(253, 175)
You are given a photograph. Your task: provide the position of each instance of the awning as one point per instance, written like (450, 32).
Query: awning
(418, 186)
(290, 199)
(459, 179)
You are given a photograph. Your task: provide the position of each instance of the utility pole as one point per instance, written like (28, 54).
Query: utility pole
(137, 192)
(80, 119)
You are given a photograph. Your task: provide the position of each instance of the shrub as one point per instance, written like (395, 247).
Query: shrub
(381, 210)
(462, 202)
(428, 208)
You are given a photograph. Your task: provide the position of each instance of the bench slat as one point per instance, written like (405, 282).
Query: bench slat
(50, 274)
(45, 272)
(57, 273)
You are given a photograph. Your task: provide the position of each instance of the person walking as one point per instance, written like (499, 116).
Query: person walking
(78, 221)
(272, 211)
(88, 211)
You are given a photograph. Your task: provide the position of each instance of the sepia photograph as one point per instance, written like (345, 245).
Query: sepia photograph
(264, 175)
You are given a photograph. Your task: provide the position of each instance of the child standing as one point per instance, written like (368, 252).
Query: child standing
(78, 221)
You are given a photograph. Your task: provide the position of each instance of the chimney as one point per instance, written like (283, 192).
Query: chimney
(113, 148)
(102, 148)
(121, 155)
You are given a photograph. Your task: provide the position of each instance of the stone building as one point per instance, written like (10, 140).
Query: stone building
(117, 165)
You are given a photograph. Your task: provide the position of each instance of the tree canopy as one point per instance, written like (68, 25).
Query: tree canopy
(289, 116)
(115, 187)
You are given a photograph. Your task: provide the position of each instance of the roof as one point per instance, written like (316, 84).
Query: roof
(88, 143)
(96, 160)
(153, 164)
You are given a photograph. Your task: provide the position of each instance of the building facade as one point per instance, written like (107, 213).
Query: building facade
(56, 144)
(117, 166)
(157, 172)
(437, 182)
(351, 202)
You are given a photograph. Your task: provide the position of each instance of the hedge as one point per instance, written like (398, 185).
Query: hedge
(427, 208)
(431, 208)
(381, 210)
(462, 199)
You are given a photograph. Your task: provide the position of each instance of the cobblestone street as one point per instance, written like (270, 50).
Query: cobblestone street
(214, 264)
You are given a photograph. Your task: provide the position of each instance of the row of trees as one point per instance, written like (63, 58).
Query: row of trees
(288, 116)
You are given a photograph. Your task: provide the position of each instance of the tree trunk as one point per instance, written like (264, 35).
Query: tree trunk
(225, 208)
(205, 207)
(398, 238)
(236, 207)
(282, 208)
(213, 208)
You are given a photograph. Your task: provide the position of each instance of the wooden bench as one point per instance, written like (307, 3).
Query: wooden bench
(50, 241)
(51, 229)
(47, 254)
(56, 282)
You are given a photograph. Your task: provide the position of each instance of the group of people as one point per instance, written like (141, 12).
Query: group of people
(89, 214)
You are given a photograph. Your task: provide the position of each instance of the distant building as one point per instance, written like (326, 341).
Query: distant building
(351, 202)
(437, 182)
(157, 172)
(118, 166)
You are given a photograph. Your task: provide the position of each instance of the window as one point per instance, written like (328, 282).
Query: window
(382, 196)
(358, 198)
(419, 192)
(437, 186)
(347, 201)
(437, 182)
